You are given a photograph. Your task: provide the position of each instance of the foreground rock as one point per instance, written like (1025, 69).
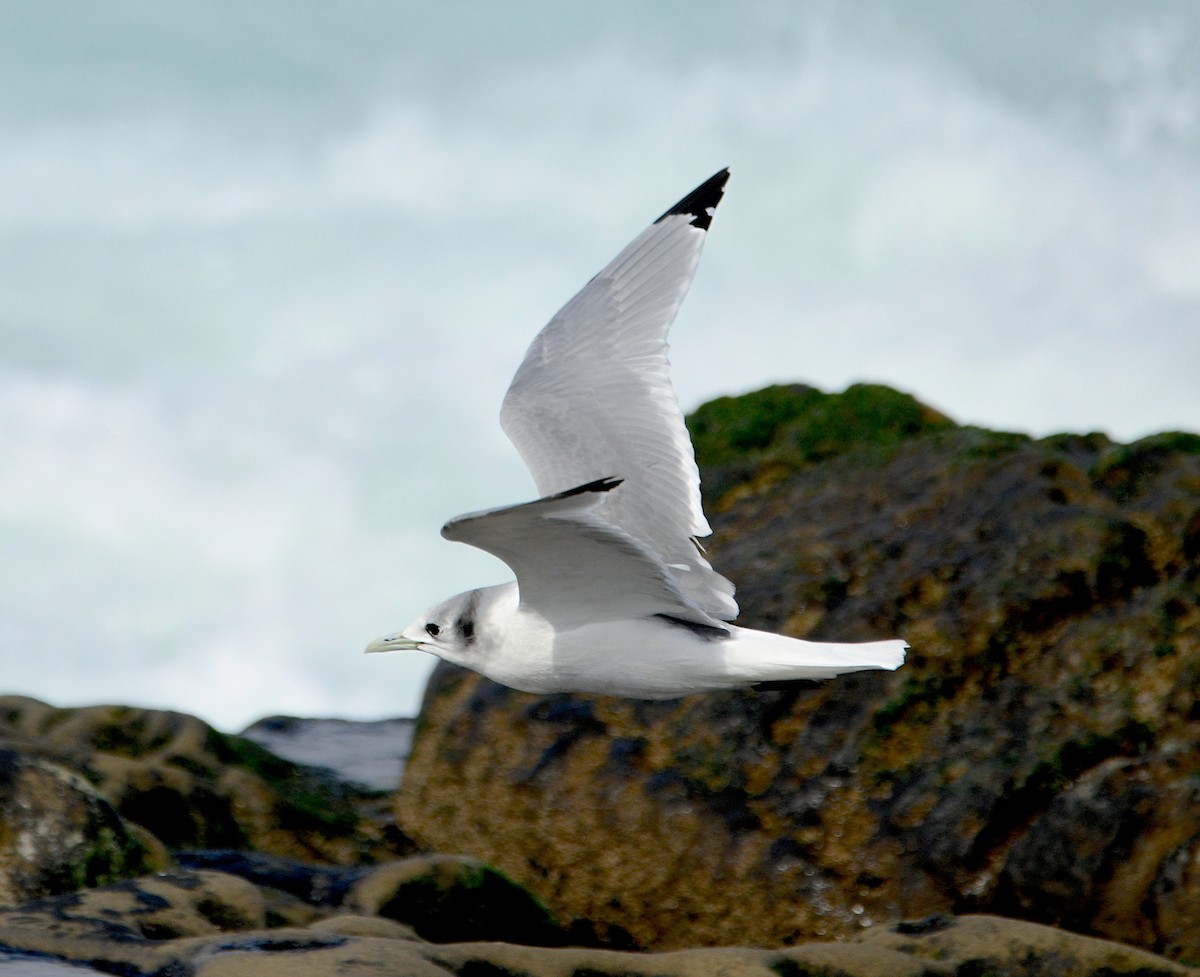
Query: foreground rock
(57, 833)
(1037, 756)
(204, 924)
(92, 794)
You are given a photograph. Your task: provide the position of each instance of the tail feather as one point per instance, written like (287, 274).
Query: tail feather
(773, 657)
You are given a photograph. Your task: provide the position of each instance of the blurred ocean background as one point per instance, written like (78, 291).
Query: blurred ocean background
(266, 269)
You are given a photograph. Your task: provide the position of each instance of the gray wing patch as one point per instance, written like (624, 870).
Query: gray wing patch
(572, 566)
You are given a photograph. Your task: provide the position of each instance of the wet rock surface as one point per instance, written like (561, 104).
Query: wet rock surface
(204, 924)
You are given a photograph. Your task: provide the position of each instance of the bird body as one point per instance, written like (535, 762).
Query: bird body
(650, 658)
(613, 592)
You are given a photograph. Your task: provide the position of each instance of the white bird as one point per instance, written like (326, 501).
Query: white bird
(613, 592)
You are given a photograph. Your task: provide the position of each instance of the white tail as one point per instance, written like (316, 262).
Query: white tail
(764, 657)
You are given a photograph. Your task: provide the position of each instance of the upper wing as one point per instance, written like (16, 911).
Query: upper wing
(572, 566)
(593, 397)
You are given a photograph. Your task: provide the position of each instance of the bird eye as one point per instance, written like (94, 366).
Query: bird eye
(433, 630)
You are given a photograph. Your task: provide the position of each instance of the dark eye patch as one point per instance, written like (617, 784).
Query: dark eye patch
(432, 630)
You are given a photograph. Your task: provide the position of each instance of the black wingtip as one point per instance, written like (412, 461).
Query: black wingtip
(702, 201)
(599, 485)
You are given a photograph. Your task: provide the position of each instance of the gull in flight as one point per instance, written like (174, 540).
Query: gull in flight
(613, 592)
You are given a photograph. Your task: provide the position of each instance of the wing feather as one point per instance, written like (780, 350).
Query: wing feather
(593, 397)
(574, 567)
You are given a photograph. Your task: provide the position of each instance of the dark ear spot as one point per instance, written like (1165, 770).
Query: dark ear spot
(466, 627)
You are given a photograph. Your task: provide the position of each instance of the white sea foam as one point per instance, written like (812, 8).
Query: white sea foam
(234, 261)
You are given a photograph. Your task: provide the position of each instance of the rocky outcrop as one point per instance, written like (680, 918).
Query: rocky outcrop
(105, 791)
(143, 924)
(57, 834)
(1037, 756)
(207, 923)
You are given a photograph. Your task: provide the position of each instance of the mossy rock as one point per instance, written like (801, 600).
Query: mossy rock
(57, 834)
(453, 899)
(795, 425)
(1126, 470)
(192, 786)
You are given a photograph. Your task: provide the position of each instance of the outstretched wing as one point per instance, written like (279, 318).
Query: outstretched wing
(593, 398)
(574, 567)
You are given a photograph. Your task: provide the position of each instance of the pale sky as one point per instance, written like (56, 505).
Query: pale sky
(266, 269)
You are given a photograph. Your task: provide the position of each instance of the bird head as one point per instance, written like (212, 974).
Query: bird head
(448, 629)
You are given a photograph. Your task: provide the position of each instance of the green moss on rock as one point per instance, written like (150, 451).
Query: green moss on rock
(1126, 470)
(310, 800)
(796, 425)
(191, 786)
(446, 899)
(57, 834)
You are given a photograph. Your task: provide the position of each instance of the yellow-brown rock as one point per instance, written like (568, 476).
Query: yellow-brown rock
(191, 786)
(1038, 754)
(57, 833)
(447, 898)
(130, 921)
(196, 924)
